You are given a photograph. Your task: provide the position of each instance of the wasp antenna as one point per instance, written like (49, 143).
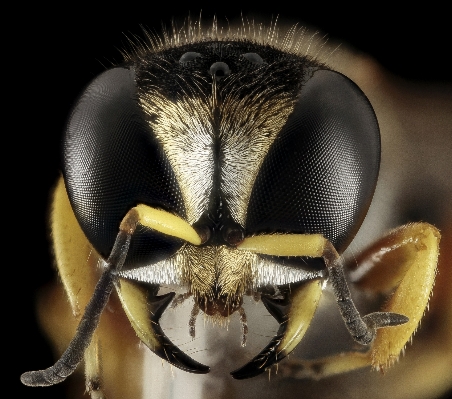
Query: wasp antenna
(385, 319)
(73, 355)
(362, 329)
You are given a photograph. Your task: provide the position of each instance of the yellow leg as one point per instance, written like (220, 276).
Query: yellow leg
(408, 258)
(404, 262)
(93, 369)
(325, 367)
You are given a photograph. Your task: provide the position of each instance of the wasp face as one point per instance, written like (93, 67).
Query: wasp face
(223, 134)
(223, 167)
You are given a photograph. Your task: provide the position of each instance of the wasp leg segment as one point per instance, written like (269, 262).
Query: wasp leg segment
(294, 313)
(244, 324)
(325, 367)
(362, 329)
(70, 359)
(192, 322)
(406, 258)
(180, 299)
(144, 311)
(93, 370)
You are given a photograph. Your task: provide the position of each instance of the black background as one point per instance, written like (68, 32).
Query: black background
(53, 53)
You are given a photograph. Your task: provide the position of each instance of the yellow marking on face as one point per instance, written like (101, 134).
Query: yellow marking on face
(167, 223)
(285, 245)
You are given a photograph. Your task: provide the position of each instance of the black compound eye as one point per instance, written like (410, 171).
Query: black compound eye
(321, 173)
(254, 58)
(112, 162)
(219, 70)
(189, 56)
